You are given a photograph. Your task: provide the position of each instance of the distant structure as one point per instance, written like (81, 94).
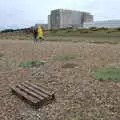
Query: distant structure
(105, 24)
(61, 18)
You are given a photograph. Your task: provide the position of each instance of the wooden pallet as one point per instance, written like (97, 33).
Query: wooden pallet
(34, 94)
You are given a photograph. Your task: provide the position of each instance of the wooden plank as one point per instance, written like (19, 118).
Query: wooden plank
(46, 91)
(33, 93)
(31, 99)
(38, 87)
(35, 90)
(30, 92)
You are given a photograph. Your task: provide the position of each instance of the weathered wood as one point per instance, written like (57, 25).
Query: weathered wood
(40, 88)
(25, 95)
(30, 92)
(35, 90)
(33, 93)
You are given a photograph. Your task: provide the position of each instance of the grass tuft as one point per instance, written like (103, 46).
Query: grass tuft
(110, 74)
(30, 64)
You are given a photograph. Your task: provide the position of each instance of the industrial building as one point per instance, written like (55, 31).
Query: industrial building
(61, 18)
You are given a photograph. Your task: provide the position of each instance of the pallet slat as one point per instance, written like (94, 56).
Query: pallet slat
(29, 92)
(35, 90)
(33, 93)
(25, 95)
(36, 86)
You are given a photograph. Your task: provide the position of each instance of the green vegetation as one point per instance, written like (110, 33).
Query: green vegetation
(30, 64)
(92, 32)
(16, 36)
(65, 58)
(92, 35)
(109, 73)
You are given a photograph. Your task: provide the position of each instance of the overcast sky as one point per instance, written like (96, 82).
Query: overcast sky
(23, 12)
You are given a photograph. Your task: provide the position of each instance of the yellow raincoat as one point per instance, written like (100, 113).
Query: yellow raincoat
(40, 32)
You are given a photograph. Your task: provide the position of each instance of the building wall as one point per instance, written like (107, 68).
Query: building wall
(49, 22)
(88, 18)
(77, 19)
(60, 18)
(65, 18)
(55, 19)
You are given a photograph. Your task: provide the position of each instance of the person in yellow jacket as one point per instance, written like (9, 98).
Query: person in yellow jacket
(40, 33)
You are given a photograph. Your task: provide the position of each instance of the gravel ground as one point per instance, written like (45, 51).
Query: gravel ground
(78, 96)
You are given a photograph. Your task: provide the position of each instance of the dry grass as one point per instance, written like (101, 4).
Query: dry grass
(93, 35)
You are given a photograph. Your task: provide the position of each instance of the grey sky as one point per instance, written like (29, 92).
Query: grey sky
(29, 12)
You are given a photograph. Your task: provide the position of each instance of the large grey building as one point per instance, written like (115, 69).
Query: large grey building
(61, 18)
